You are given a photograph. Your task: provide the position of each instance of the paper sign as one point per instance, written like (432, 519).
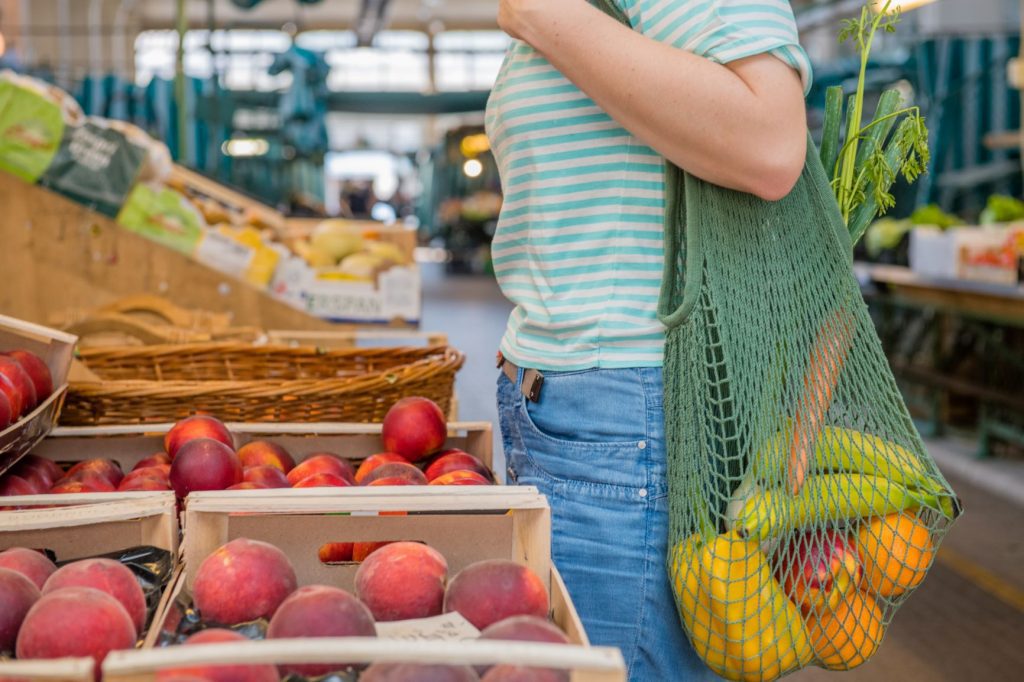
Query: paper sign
(449, 627)
(224, 254)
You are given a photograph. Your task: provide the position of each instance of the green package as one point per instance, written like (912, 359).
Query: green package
(31, 129)
(162, 215)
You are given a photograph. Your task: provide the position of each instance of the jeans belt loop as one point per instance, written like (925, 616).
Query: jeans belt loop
(533, 380)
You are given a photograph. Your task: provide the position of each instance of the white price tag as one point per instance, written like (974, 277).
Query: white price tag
(449, 627)
(224, 254)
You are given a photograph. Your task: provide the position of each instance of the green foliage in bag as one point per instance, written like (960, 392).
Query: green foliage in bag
(804, 509)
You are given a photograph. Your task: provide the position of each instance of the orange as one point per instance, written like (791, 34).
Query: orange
(896, 552)
(847, 636)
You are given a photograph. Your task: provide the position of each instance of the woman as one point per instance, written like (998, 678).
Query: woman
(583, 113)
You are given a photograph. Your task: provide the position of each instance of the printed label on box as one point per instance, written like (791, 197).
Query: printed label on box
(397, 296)
(225, 254)
(449, 627)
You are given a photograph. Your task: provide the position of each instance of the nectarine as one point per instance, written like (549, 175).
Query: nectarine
(204, 464)
(264, 453)
(107, 468)
(402, 470)
(34, 467)
(418, 672)
(153, 460)
(460, 477)
(12, 485)
(199, 426)
(266, 476)
(335, 552)
(455, 460)
(319, 464)
(75, 622)
(320, 611)
(13, 373)
(374, 461)
(17, 595)
(238, 672)
(105, 575)
(241, 581)
(247, 485)
(323, 480)
(37, 372)
(493, 590)
(414, 428)
(403, 580)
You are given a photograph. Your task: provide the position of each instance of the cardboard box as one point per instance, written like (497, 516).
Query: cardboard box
(82, 526)
(464, 524)
(131, 443)
(56, 349)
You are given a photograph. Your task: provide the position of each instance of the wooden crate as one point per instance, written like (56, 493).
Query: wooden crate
(81, 526)
(56, 350)
(466, 525)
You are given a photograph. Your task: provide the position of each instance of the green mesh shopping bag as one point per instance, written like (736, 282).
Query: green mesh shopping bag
(804, 508)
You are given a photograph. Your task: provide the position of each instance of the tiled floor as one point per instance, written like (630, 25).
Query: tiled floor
(965, 624)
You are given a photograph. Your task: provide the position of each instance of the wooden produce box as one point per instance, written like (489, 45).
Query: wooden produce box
(79, 526)
(56, 349)
(127, 445)
(466, 525)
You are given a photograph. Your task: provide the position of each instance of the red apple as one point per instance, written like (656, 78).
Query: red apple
(414, 428)
(235, 672)
(374, 461)
(204, 464)
(106, 468)
(266, 476)
(264, 453)
(455, 460)
(199, 426)
(153, 460)
(459, 477)
(37, 371)
(324, 480)
(319, 464)
(396, 470)
(817, 569)
(12, 371)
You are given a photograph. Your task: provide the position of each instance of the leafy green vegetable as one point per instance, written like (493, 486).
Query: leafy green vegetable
(885, 233)
(1002, 209)
(872, 156)
(933, 215)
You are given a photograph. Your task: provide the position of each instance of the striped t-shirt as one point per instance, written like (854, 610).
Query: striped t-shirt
(578, 248)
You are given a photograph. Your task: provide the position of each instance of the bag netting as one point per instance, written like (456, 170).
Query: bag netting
(804, 508)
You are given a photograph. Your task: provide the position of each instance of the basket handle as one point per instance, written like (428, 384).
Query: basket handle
(107, 323)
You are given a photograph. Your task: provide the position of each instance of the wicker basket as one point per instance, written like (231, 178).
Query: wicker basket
(244, 383)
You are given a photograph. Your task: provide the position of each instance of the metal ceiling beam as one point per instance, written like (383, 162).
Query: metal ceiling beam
(371, 20)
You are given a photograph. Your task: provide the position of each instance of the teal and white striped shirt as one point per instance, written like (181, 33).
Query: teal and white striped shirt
(578, 248)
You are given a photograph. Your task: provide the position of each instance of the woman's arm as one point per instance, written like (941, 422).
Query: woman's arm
(741, 125)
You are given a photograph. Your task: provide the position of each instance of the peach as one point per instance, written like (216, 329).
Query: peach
(92, 481)
(519, 673)
(105, 575)
(32, 467)
(348, 471)
(7, 415)
(335, 552)
(417, 672)
(264, 453)
(318, 464)
(414, 428)
(320, 611)
(107, 468)
(241, 581)
(13, 373)
(455, 460)
(266, 476)
(143, 483)
(199, 426)
(68, 487)
(391, 480)
(12, 485)
(374, 461)
(17, 595)
(324, 480)
(32, 564)
(75, 622)
(153, 460)
(490, 591)
(161, 472)
(403, 580)
(525, 629)
(362, 550)
(37, 372)
(247, 485)
(204, 464)
(238, 672)
(460, 477)
(402, 470)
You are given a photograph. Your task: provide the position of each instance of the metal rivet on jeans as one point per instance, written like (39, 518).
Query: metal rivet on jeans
(642, 445)
(643, 492)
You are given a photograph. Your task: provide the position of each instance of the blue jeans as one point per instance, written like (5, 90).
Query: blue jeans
(595, 445)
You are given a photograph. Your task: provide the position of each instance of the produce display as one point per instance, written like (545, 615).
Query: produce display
(248, 589)
(796, 579)
(199, 454)
(85, 608)
(25, 382)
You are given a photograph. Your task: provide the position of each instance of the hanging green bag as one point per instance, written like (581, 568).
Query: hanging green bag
(804, 508)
